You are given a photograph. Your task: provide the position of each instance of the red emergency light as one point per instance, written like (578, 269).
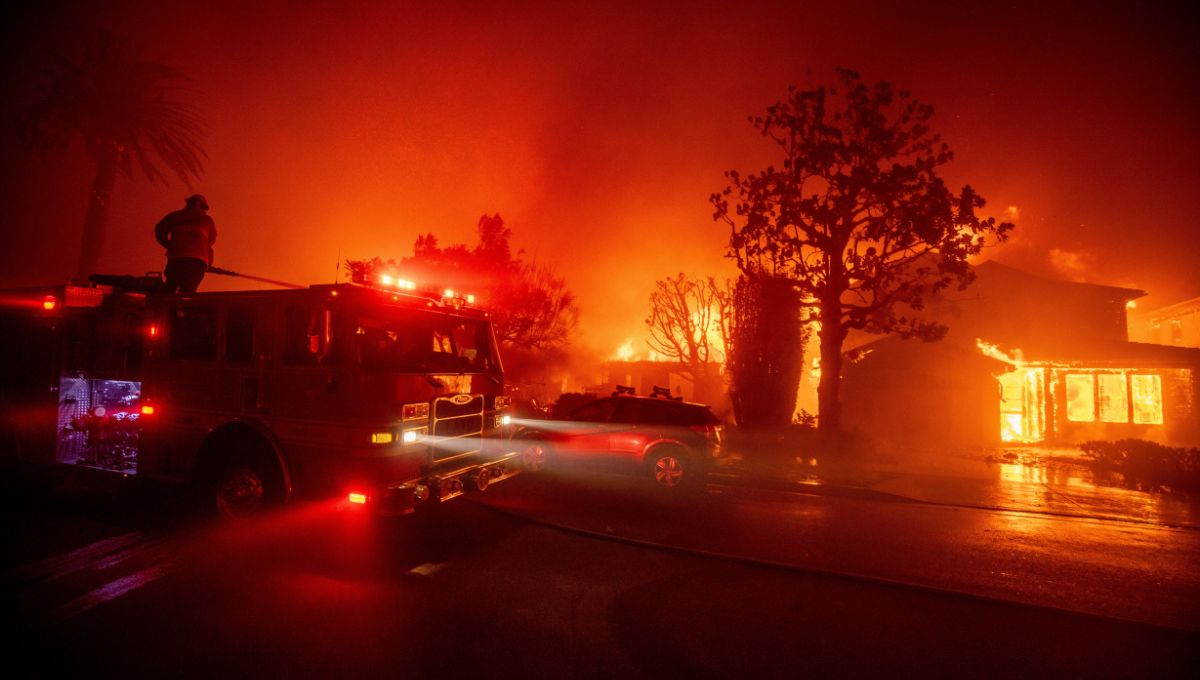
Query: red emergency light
(392, 282)
(358, 498)
(147, 410)
(49, 303)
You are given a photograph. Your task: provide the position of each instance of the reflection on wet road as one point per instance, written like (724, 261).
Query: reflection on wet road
(1124, 570)
(315, 591)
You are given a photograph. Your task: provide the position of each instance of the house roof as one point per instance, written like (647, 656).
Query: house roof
(994, 270)
(1107, 354)
(1115, 354)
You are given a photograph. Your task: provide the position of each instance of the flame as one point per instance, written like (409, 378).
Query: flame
(1016, 359)
(624, 352)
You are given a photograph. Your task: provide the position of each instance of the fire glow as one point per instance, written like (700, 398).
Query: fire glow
(1039, 398)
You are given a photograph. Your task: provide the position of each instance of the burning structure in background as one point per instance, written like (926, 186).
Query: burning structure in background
(1027, 360)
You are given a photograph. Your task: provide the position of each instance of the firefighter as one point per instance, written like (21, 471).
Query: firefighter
(188, 235)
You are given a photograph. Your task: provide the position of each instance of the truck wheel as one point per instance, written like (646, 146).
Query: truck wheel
(240, 478)
(239, 492)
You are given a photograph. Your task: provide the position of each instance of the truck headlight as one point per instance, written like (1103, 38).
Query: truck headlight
(411, 436)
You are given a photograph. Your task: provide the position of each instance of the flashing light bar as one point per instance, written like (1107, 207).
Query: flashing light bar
(392, 282)
(389, 281)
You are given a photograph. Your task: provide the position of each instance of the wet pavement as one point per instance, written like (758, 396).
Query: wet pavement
(591, 576)
(1046, 481)
(1132, 571)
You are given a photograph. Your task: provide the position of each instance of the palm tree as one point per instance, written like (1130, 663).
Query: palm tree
(124, 108)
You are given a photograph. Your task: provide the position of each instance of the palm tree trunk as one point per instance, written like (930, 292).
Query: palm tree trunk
(95, 222)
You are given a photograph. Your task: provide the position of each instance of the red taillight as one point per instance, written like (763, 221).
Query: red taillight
(358, 498)
(49, 303)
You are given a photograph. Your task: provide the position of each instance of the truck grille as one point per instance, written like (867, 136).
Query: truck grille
(459, 417)
(450, 407)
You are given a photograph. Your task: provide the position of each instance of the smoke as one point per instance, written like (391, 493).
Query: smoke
(1074, 265)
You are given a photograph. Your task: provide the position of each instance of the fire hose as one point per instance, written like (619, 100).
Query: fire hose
(273, 282)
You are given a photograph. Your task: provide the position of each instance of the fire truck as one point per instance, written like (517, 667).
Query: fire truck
(389, 396)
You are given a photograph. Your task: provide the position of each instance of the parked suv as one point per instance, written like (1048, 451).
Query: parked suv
(671, 443)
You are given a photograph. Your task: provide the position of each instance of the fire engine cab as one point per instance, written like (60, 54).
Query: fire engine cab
(391, 398)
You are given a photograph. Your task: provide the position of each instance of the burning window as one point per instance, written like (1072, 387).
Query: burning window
(1108, 397)
(1081, 398)
(1021, 405)
(1147, 399)
(1114, 402)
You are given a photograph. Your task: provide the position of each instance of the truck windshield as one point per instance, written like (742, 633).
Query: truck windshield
(423, 342)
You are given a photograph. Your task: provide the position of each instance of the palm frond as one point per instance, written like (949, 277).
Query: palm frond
(118, 102)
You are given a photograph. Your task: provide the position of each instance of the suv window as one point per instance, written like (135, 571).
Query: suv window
(662, 412)
(600, 411)
(643, 411)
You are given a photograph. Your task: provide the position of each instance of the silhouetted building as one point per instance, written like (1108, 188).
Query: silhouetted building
(1177, 325)
(1027, 360)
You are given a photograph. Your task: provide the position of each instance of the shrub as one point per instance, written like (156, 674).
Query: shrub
(1146, 465)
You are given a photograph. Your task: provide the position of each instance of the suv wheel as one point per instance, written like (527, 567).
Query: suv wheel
(535, 457)
(670, 469)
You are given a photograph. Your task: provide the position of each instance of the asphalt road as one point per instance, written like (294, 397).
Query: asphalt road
(126, 584)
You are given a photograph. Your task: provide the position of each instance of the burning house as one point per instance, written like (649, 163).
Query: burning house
(1026, 360)
(1177, 324)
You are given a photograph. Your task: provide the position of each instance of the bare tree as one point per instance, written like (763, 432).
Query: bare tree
(687, 325)
(857, 218)
(126, 110)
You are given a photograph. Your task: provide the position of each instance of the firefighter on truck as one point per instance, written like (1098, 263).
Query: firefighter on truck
(387, 396)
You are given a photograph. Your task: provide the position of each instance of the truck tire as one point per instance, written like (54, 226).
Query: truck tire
(242, 479)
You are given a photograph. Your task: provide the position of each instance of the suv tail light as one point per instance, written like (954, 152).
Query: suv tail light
(712, 434)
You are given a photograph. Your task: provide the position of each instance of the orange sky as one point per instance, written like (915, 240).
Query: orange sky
(598, 130)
